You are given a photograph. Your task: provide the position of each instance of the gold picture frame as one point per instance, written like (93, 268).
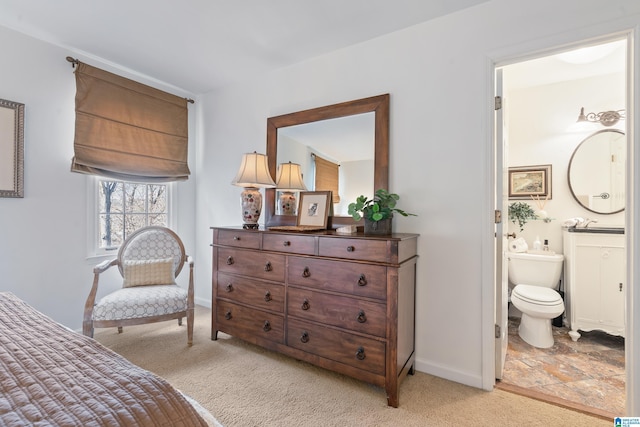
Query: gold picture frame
(313, 208)
(526, 182)
(11, 149)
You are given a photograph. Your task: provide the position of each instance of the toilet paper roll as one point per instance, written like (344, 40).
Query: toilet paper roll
(518, 245)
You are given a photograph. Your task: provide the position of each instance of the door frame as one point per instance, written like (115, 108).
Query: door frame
(632, 212)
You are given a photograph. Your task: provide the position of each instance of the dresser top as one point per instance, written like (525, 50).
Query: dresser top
(325, 233)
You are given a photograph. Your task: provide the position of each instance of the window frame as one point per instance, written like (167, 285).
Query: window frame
(93, 214)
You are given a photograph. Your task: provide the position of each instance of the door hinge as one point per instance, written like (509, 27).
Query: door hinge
(497, 216)
(498, 331)
(497, 103)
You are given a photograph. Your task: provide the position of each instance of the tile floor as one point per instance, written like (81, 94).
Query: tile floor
(589, 372)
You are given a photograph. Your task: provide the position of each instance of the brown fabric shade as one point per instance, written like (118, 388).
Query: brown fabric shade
(327, 174)
(128, 131)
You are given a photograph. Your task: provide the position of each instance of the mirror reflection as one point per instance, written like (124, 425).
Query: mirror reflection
(343, 154)
(597, 172)
(334, 153)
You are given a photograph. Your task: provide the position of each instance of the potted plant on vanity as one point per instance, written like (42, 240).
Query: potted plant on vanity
(377, 212)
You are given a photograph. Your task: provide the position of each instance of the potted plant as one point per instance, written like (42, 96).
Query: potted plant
(522, 213)
(377, 212)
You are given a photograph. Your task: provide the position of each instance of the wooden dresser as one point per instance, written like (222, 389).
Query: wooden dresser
(345, 303)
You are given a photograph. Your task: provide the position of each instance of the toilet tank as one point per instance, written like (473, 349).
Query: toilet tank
(534, 269)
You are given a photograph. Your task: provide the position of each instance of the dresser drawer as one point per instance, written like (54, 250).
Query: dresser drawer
(266, 295)
(341, 276)
(290, 243)
(263, 265)
(362, 249)
(345, 312)
(239, 238)
(247, 323)
(360, 352)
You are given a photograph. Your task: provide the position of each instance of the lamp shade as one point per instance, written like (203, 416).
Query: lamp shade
(289, 177)
(254, 172)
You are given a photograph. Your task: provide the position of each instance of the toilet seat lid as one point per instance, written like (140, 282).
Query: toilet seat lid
(537, 294)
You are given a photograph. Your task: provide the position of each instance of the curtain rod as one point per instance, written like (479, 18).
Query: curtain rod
(75, 62)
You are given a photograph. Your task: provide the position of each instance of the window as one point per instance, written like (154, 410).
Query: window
(123, 207)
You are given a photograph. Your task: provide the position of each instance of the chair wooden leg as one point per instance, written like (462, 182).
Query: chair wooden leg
(87, 329)
(190, 327)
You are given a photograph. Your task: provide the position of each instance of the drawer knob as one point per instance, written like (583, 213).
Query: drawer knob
(304, 337)
(305, 304)
(229, 287)
(230, 260)
(362, 281)
(236, 238)
(267, 296)
(306, 272)
(362, 317)
(268, 267)
(228, 315)
(267, 326)
(351, 248)
(360, 353)
(286, 243)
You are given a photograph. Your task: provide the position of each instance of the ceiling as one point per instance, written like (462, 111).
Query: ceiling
(595, 60)
(199, 45)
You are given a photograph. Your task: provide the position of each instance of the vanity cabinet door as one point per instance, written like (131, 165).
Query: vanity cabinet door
(613, 288)
(595, 278)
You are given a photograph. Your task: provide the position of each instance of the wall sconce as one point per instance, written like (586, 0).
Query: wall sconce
(289, 180)
(605, 118)
(253, 174)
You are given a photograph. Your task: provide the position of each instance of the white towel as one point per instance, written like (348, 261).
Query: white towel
(518, 245)
(572, 222)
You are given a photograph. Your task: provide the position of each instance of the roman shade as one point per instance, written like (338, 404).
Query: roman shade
(128, 131)
(326, 179)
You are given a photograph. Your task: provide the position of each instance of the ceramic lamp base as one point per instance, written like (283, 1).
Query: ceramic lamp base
(288, 203)
(251, 207)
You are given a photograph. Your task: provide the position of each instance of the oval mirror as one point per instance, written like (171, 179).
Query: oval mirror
(337, 137)
(597, 172)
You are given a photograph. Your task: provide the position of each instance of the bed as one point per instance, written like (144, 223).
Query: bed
(50, 375)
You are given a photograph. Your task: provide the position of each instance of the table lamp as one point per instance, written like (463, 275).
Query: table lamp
(253, 174)
(289, 180)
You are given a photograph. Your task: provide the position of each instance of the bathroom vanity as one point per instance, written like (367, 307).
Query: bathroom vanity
(595, 266)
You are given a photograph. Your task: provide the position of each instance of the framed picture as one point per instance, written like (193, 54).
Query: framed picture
(526, 182)
(313, 208)
(11, 149)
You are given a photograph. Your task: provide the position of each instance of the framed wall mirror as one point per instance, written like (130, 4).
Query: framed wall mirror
(597, 172)
(373, 112)
(11, 149)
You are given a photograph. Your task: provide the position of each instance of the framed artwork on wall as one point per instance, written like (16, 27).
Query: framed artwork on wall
(526, 182)
(11, 149)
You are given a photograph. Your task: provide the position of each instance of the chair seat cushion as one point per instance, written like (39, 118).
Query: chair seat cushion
(141, 301)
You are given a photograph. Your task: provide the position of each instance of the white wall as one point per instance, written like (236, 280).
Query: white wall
(539, 119)
(439, 75)
(43, 250)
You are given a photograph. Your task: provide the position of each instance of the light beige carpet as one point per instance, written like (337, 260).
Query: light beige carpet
(244, 385)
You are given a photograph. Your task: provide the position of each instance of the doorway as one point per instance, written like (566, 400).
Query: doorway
(542, 99)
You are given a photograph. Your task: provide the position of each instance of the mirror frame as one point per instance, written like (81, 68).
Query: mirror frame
(13, 137)
(575, 197)
(377, 104)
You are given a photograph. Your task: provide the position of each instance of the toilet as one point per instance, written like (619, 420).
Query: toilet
(535, 279)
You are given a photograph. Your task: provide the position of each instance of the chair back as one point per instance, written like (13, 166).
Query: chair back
(153, 242)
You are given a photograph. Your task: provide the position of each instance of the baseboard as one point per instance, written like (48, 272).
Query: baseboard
(448, 374)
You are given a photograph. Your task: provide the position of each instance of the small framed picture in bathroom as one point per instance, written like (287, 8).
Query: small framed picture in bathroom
(526, 182)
